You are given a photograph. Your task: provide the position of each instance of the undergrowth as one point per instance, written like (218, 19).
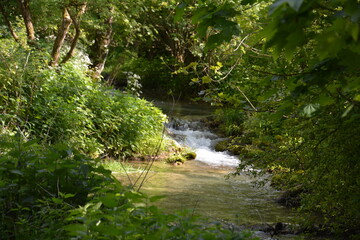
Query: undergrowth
(56, 192)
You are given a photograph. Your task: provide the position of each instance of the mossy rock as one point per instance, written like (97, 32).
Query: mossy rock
(189, 155)
(176, 159)
(236, 149)
(221, 146)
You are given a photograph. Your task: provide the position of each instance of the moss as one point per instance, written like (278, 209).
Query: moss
(189, 155)
(221, 146)
(177, 158)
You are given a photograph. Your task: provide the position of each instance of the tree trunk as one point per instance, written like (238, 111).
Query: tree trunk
(59, 41)
(8, 23)
(100, 48)
(76, 23)
(25, 9)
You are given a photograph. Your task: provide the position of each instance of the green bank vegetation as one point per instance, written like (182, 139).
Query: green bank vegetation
(287, 81)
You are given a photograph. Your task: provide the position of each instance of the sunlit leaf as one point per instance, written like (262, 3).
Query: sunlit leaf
(310, 109)
(348, 109)
(206, 79)
(109, 200)
(57, 200)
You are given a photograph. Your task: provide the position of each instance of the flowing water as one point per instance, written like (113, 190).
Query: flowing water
(201, 185)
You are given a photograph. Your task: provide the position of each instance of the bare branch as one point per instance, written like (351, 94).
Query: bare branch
(25, 9)
(60, 37)
(76, 23)
(247, 99)
(8, 23)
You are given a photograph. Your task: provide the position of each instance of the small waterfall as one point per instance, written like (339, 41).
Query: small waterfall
(193, 135)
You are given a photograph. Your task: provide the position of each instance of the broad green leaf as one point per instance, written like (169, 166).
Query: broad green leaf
(325, 100)
(294, 4)
(310, 109)
(295, 38)
(109, 229)
(179, 11)
(135, 197)
(153, 210)
(214, 41)
(201, 14)
(206, 79)
(69, 195)
(31, 142)
(74, 229)
(16, 171)
(57, 200)
(355, 31)
(109, 200)
(348, 109)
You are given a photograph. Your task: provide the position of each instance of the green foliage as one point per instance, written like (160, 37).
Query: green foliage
(230, 120)
(297, 68)
(214, 23)
(65, 105)
(292, 66)
(58, 193)
(39, 186)
(155, 76)
(153, 73)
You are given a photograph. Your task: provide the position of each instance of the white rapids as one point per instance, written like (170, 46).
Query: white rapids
(202, 142)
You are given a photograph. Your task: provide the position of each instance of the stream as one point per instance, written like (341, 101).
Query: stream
(201, 185)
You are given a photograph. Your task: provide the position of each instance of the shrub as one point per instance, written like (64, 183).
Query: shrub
(58, 193)
(64, 105)
(39, 185)
(231, 120)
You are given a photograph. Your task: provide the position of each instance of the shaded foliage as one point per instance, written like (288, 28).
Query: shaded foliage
(58, 193)
(296, 78)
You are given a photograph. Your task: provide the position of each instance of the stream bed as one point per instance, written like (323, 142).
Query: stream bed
(202, 185)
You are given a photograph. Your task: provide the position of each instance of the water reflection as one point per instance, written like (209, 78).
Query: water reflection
(204, 189)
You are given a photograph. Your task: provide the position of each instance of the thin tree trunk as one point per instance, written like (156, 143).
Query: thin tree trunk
(77, 32)
(100, 48)
(60, 37)
(8, 23)
(25, 9)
